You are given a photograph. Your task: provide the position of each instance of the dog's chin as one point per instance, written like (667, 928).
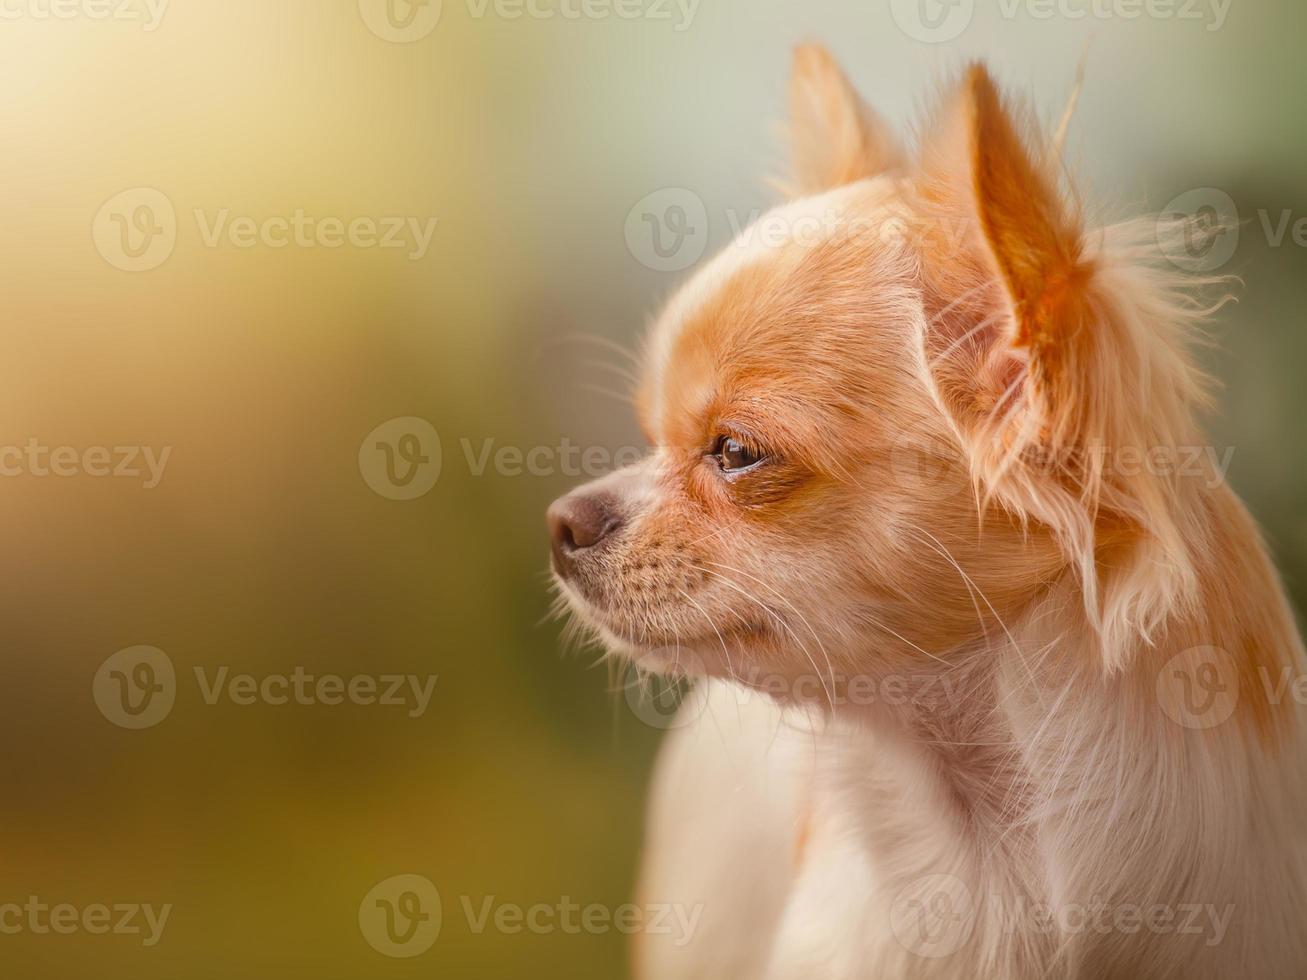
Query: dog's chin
(671, 655)
(668, 661)
(671, 658)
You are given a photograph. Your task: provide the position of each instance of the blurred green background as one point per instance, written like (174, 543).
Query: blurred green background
(264, 547)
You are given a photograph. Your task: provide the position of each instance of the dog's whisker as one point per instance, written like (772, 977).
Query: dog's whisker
(599, 341)
(989, 321)
(964, 297)
(938, 546)
(730, 667)
(753, 578)
(730, 583)
(624, 398)
(623, 373)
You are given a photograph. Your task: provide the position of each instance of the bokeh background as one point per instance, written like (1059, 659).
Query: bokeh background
(264, 547)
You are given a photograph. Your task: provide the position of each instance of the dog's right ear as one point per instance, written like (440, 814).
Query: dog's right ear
(1052, 352)
(836, 138)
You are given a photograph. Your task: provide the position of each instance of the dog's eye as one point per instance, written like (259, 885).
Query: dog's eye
(733, 455)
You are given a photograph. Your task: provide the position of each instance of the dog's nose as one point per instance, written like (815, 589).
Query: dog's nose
(577, 522)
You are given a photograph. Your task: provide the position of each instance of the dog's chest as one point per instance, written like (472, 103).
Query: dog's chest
(886, 883)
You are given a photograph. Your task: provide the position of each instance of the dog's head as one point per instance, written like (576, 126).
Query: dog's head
(874, 414)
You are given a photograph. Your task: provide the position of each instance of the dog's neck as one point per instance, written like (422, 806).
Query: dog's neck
(1040, 778)
(973, 718)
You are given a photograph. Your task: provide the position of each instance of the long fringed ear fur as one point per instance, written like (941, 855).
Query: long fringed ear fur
(1055, 355)
(835, 137)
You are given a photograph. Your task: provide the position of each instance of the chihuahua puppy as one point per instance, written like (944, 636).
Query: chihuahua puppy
(995, 678)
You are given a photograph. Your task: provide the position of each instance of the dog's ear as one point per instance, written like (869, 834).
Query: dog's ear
(1051, 352)
(1003, 242)
(835, 137)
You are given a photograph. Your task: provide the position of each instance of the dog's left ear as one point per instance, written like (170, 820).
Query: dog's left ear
(836, 138)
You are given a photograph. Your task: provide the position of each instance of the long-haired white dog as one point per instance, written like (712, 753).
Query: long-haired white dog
(997, 679)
